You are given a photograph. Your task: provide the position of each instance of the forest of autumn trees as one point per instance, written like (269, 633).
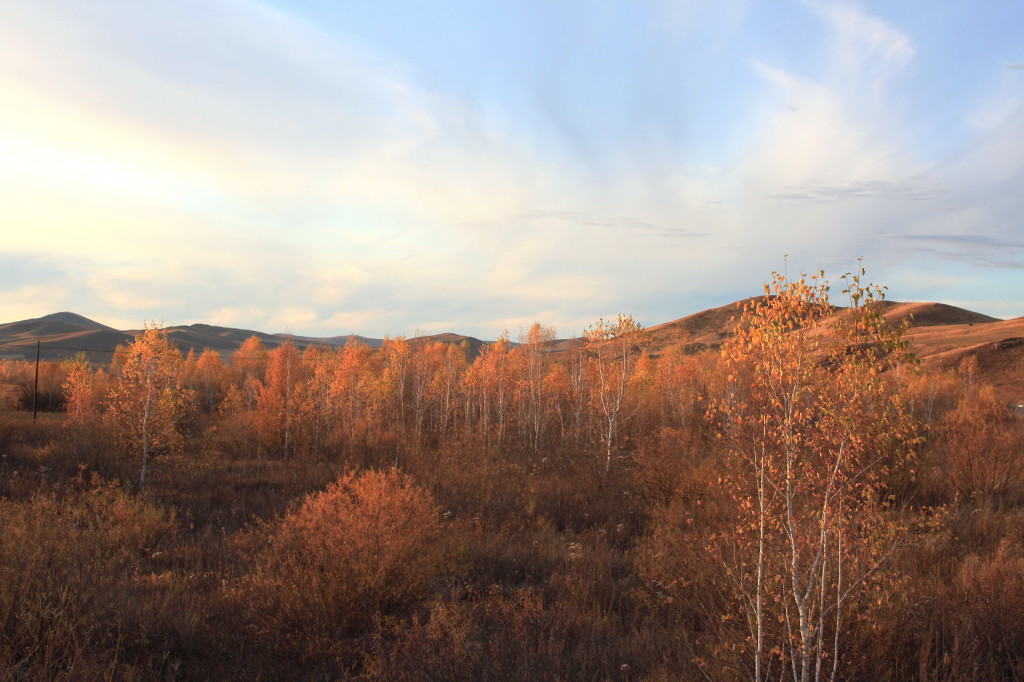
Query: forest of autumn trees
(325, 402)
(802, 503)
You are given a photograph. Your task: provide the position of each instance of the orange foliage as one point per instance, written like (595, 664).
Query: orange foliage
(277, 404)
(79, 394)
(813, 428)
(369, 544)
(147, 402)
(977, 439)
(798, 479)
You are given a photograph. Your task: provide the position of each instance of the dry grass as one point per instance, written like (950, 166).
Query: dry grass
(83, 594)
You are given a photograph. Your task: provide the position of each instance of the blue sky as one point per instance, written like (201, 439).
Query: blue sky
(387, 167)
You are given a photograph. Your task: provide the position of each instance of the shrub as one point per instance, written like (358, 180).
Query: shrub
(367, 545)
(977, 438)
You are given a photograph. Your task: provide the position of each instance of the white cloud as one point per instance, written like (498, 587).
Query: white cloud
(866, 51)
(235, 316)
(230, 162)
(832, 131)
(828, 168)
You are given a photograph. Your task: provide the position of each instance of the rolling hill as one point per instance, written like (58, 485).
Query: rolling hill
(942, 336)
(62, 335)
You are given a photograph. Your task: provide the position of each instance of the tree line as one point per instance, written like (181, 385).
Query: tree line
(322, 401)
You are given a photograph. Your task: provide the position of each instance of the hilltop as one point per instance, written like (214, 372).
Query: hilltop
(62, 335)
(942, 336)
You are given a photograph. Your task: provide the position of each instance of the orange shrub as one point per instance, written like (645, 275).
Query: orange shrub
(369, 544)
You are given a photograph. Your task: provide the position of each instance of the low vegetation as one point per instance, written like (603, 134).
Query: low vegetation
(803, 503)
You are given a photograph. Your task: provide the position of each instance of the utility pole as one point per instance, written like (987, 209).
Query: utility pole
(35, 388)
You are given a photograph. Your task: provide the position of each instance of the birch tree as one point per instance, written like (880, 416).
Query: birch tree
(277, 403)
(78, 389)
(813, 428)
(147, 400)
(533, 343)
(614, 349)
(491, 379)
(352, 388)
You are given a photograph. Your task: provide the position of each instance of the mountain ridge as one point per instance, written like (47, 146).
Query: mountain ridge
(942, 335)
(61, 335)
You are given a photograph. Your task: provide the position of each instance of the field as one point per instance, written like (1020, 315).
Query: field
(624, 507)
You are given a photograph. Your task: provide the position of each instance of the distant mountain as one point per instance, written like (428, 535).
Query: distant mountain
(50, 325)
(942, 336)
(998, 347)
(75, 320)
(709, 328)
(225, 340)
(472, 343)
(62, 335)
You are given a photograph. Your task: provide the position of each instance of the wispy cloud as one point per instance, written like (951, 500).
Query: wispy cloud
(907, 190)
(629, 226)
(960, 240)
(865, 46)
(969, 249)
(237, 161)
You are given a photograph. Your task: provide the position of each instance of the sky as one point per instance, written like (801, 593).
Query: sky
(403, 167)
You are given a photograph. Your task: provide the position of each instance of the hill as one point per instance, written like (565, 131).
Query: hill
(55, 324)
(59, 335)
(62, 335)
(700, 331)
(942, 336)
(931, 314)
